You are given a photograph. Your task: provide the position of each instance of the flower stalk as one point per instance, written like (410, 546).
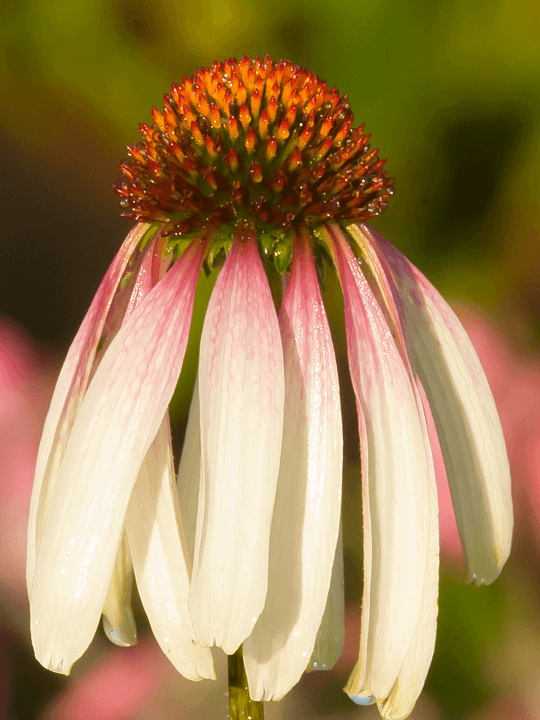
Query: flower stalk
(241, 706)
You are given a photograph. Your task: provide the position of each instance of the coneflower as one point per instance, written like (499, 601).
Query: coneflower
(255, 167)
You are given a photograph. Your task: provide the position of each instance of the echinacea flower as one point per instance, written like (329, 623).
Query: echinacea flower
(255, 167)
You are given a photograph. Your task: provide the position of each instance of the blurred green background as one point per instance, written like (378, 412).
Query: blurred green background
(449, 89)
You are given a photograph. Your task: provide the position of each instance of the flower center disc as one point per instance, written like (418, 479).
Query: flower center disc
(255, 140)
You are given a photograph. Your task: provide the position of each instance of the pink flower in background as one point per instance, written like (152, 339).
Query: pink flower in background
(511, 707)
(25, 390)
(116, 688)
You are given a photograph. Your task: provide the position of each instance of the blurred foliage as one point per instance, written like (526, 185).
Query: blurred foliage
(450, 91)
(470, 623)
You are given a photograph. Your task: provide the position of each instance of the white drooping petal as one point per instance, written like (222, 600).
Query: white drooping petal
(118, 419)
(411, 678)
(70, 388)
(241, 405)
(305, 525)
(466, 418)
(189, 471)
(414, 670)
(162, 567)
(329, 642)
(118, 620)
(396, 483)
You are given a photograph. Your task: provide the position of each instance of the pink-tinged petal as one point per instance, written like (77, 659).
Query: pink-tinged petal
(118, 419)
(189, 472)
(413, 672)
(305, 524)
(381, 286)
(74, 378)
(153, 266)
(118, 619)
(466, 418)
(396, 482)
(241, 404)
(162, 567)
(329, 642)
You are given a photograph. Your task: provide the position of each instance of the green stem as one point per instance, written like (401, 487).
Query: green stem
(241, 706)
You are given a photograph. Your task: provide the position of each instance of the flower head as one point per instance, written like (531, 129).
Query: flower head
(252, 139)
(255, 165)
